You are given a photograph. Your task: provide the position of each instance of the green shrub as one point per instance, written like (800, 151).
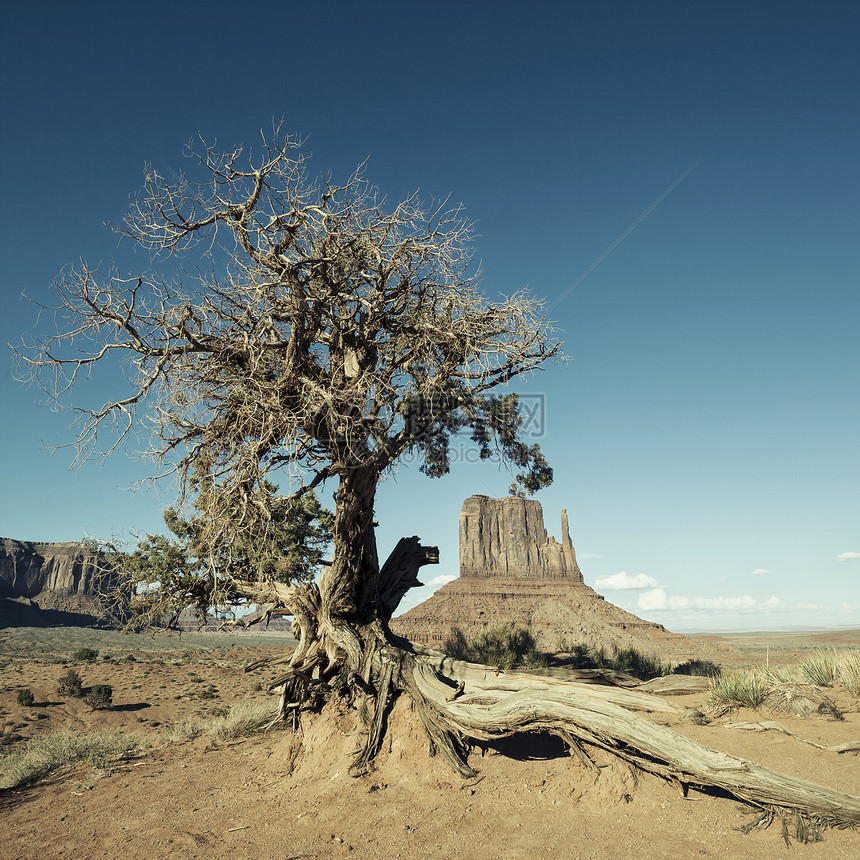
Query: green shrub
(637, 663)
(25, 697)
(70, 684)
(698, 667)
(100, 697)
(640, 664)
(499, 645)
(86, 655)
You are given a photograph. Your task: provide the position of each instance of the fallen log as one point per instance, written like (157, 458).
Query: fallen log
(491, 708)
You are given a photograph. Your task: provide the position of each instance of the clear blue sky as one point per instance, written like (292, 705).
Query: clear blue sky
(704, 432)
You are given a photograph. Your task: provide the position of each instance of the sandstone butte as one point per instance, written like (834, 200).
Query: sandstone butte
(513, 572)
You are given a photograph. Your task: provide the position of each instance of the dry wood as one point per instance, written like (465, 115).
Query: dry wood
(588, 715)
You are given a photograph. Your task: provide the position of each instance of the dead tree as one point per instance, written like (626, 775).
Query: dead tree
(323, 336)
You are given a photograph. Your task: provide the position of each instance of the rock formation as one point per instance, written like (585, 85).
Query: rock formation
(507, 538)
(62, 579)
(513, 572)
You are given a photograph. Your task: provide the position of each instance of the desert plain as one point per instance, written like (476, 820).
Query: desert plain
(286, 792)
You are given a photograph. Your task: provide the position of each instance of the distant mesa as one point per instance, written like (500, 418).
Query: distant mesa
(50, 583)
(513, 572)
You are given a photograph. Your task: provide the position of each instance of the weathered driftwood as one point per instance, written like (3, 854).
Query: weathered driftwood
(459, 702)
(600, 716)
(676, 685)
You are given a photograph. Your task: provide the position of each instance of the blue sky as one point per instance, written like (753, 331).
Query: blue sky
(704, 428)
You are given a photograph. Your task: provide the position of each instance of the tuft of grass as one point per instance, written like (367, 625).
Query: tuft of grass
(821, 667)
(793, 689)
(241, 720)
(826, 667)
(848, 671)
(50, 753)
(25, 697)
(744, 689)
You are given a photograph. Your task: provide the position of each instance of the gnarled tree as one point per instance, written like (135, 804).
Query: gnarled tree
(324, 336)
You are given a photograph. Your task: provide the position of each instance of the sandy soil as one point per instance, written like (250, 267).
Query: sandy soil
(285, 795)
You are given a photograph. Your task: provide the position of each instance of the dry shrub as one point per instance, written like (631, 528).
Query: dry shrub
(241, 720)
(58, 750)
(799, 700)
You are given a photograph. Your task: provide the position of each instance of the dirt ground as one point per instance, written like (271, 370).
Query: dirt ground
(288, 795)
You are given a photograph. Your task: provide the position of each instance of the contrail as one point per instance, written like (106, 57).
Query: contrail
(623, 236)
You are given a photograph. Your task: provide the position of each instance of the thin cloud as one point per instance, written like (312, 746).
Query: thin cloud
(444, 579)
(713, 603)
(590, 555)
(761, 571)
(622, 580)
(658, 599)
(848, 556)
(651, 600)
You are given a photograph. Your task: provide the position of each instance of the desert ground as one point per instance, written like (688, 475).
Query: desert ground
(287, 794)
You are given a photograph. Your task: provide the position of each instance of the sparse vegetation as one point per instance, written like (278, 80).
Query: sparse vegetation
(698, 667)
(793, 689)
(500, 645)
(637, 663)
(239, 721)
(70, 684)
(25, 697)
(58, 750)
(828, 666)
(743, 689)
(85, 655)
(100, 697)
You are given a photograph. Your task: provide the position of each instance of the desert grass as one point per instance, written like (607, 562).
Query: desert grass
(746, 688)
(639, 664)
(789, 689)
(63, 749)
(60, 750)
(826, 667)
(241, 720)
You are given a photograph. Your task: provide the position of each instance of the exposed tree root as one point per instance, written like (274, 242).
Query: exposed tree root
(602, 717)
(460, 703)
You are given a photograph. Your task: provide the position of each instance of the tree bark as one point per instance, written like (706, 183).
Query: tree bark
(348, 586)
